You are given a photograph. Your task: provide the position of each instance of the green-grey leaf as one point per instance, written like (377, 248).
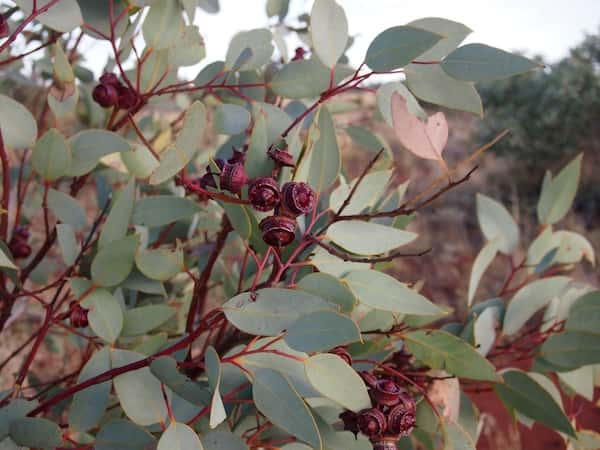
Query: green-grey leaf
(479, 62)
(89, 405)
(258, 41)
(368, 238)
(162, 24)
(273, 310)
(141, 320)
(113, 263)
(431, 84)
(456, 437)
(117, 221)
(139, 392)
(441, 350)
(328, 31)
(557, 195)
(398, 46)
(105, 315)
(223, 440)
(160, 263)
(333, 378)
(66, 209)
(214, 371)
(189, 48)
(16, 409)
(239, 216)
(67, 243)
(63, 16)
(19, 128)
(120, 434)
(384, 101)
(321, 330)
(330, 288)
(484, 258)
(381, 291)
(275, 397)
(525, 395)
(301, 79)
(6, 260)
(497, 224)
(186, 144)
(453, 34)
(35, 432)
(571, 349)
(165, 369)
(179, 436)
(161, 210)
(531, 298)
(89, 146)
(323, 160)
(51, 156)
(231, 119)
(140, 162)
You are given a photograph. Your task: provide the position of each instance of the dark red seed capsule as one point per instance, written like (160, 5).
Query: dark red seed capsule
(110, 79)
(4, 28)
(350, 420)
(105, 95)
(387, 392)
(78, 315)
(299, 54)
(233, 177)
(278, 231)
(264, 194)
(297, 198)
(282, 157)
(401, 419)
(20, 249)
(372, 422)
(128, 98)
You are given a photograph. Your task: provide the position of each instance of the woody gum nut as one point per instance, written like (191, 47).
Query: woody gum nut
(298, 198)
(387, 392)
(105, 95)
(278, 231)
(233, 177)
(264, 194)
(372, 422)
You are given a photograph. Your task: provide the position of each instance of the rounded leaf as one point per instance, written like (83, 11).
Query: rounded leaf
(321, 330)
(368, 238)
(105, 315)
(333, 378)
(160, 263)
(19, 128)
(179, 436)
(51, 156)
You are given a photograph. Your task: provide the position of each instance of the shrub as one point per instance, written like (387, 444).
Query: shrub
(227, 292)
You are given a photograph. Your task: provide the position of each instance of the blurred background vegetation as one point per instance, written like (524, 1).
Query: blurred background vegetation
(553, 114)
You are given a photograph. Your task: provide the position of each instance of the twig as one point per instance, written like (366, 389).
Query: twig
(364, 259)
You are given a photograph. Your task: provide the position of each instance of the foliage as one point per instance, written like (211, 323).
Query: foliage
(228, 292)
(551, 115)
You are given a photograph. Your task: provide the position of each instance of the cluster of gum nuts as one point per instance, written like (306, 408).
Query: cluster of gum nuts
(112, 92)
(264, 194)
(393, 411)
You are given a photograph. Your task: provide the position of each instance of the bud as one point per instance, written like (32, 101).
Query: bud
(401, 419)
(128, 98)
(264, 194)
(282, 157)
(387, 392)
(233, 177)
(372, 422)
(4, 28)
(343, 353)
(299, 54)
(297, 198)
(350, 420)
(110, 79)
(207, 180)
(105, 95)
(20, 249)
(278, 231)
(21, 232)
(78, 315)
